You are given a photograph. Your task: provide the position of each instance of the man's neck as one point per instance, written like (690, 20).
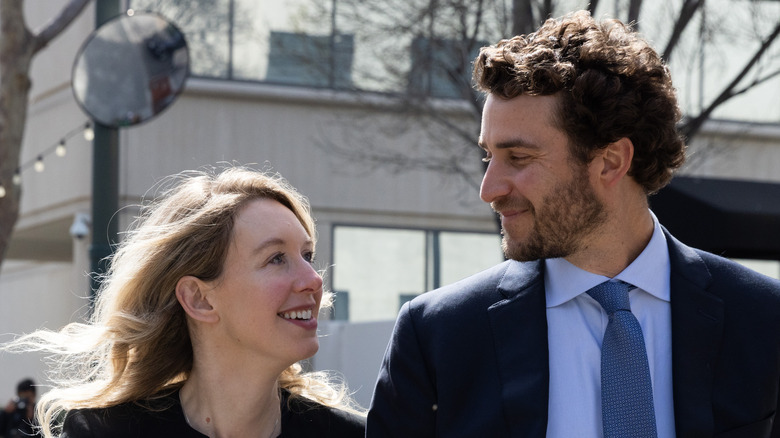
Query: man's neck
(617, 243)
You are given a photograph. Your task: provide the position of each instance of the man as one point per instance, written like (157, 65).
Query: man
(578, 129)
(17, 419)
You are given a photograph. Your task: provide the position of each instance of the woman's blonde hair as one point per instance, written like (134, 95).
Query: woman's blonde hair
(136, 345)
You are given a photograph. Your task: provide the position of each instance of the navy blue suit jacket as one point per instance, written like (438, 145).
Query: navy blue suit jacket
(471, 359)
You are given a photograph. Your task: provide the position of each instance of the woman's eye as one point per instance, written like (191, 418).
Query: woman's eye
(277, 259)
(308, 256)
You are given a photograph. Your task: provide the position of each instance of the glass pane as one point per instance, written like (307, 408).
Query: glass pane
(378, 268)
(269, 35)
(342, 44)
(392, 38)
(206, 26)
(464, 254)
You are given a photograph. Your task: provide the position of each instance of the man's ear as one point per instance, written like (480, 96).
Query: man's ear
(190, 291)
(616, 159)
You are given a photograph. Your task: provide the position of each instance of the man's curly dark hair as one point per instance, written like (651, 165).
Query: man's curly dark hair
(611, 82)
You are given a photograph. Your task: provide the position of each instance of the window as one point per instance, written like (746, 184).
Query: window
(239, 39)
(379, 269)
(441, 67)
(313, 44)
(316, 61)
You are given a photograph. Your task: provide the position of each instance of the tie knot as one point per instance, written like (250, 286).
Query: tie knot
(612, 296)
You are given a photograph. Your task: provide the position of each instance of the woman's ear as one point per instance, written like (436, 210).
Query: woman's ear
(617, 157)
(190, 291)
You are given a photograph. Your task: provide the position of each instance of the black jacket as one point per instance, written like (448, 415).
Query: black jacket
(164, 418)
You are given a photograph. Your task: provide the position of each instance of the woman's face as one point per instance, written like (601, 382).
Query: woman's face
(268, 295)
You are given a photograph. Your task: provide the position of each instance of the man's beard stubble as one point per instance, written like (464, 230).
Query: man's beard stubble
(565, 217)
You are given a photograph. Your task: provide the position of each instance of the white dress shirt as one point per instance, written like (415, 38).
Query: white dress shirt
(575, 328)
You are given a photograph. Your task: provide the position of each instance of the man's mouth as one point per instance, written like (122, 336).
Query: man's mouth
(508, 208)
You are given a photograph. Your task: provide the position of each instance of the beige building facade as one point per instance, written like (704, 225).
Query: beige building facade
(384, 236)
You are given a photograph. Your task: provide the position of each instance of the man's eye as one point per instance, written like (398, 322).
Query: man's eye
(487, 158)
(519, 158)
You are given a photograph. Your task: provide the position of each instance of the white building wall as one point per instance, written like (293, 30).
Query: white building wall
(36, 295)
(733, 150)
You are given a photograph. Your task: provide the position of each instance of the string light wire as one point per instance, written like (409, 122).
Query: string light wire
(59, 148)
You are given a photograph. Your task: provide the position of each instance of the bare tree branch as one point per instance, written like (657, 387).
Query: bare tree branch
(756, 82)
(689, 8)
(693, 125)
(546, 10)
(592, 6)
(634, 6)
(57, 24)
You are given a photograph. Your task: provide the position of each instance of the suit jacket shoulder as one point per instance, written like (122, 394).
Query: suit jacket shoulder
(725, 345)
(456, 354)
(479, 291)
(745, 295)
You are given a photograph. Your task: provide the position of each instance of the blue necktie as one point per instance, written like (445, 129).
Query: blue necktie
(626, 391)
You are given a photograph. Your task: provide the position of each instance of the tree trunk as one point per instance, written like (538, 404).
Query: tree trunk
(634, 7)
(17, 47)
(522, 17)
(592, 7)
(16, 50)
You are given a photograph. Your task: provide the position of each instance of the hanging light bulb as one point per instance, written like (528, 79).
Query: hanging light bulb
(17, 178)
(2, 191)
(39, 166)
(89, 133)
(61, 149)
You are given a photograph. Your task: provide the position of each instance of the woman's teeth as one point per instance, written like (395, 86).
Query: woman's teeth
(298, 314)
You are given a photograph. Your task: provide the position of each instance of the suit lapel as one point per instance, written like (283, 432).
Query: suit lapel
(697, 328)
(519, 325)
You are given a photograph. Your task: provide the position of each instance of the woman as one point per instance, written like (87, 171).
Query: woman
(210, 302)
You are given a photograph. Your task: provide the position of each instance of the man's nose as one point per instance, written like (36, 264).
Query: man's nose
(494, 183)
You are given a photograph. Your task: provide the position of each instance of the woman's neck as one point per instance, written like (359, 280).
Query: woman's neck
(227, 407)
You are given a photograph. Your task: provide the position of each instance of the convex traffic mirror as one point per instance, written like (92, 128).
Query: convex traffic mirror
(130, 69)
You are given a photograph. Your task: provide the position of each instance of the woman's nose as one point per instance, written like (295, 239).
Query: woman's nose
(310, 280)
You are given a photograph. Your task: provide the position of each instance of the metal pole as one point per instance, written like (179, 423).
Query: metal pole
(333, 33)
(231, 23)
(105, 177)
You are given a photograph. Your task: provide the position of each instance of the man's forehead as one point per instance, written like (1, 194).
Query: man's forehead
(513, 122)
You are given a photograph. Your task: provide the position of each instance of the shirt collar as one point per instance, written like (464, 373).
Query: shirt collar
(649, 271)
